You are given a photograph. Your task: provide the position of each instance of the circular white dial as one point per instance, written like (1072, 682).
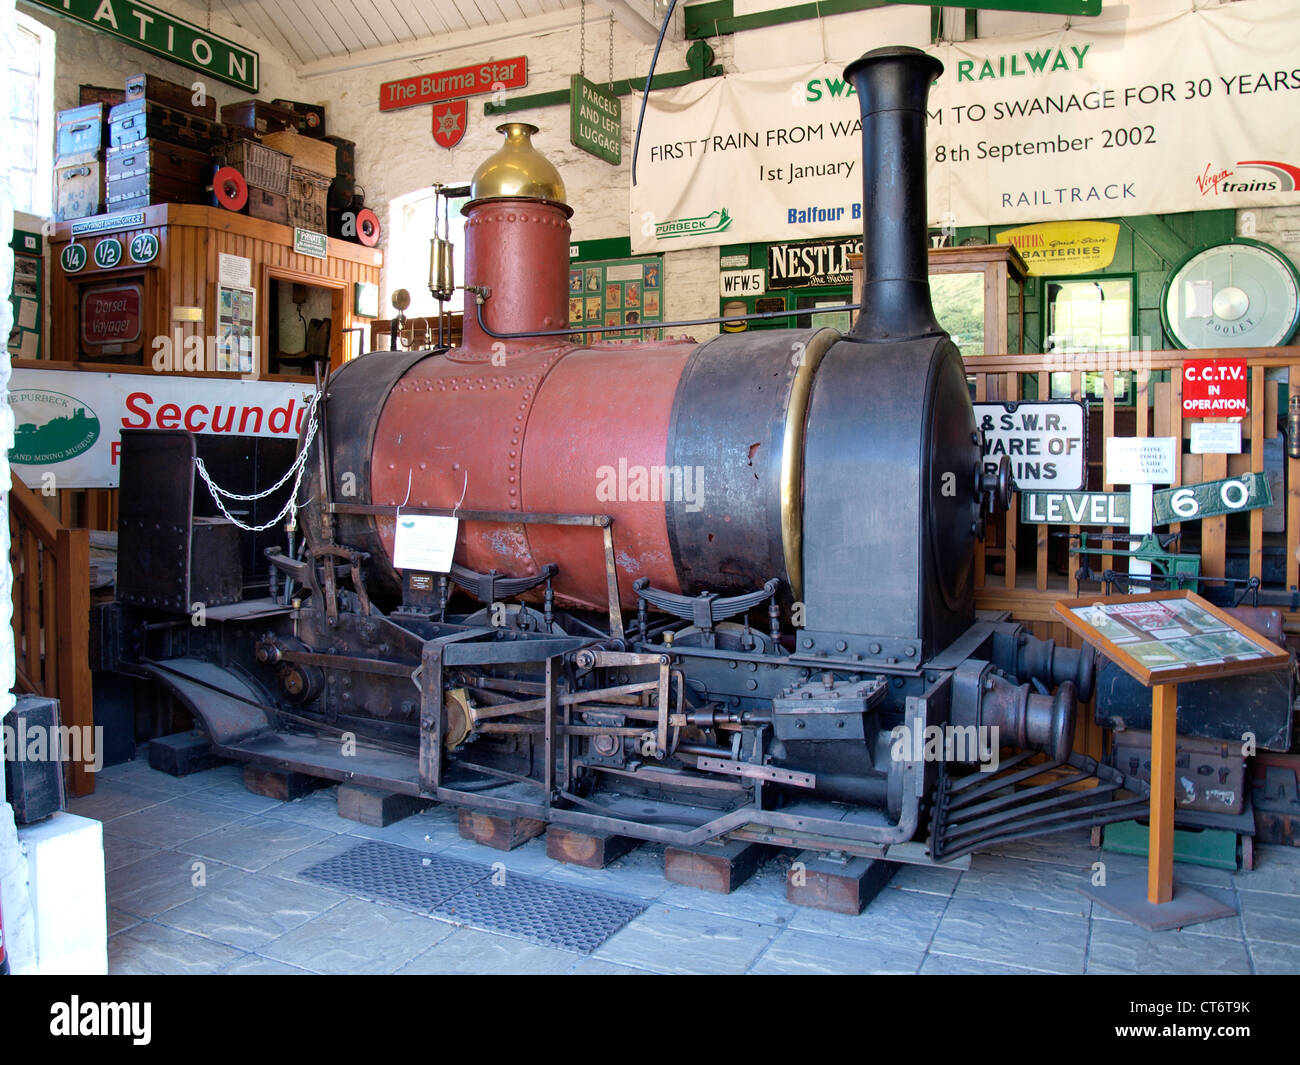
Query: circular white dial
(1241, 294)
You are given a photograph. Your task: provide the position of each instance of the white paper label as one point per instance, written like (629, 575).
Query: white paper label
(234, 271)
(1141, 460)
(1216, 438)
(1199, 299)
(424, 542)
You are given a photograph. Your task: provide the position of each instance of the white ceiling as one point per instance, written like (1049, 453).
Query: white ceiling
(323, 36)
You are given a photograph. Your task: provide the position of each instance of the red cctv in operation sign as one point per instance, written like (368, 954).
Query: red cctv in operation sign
(1214, 388)
(453, 84)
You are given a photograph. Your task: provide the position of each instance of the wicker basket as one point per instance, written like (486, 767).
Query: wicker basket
(308, 152)
(308, 193)
(262, 167)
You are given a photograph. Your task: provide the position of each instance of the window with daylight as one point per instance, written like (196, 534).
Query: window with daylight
(1087, 315)
(30, 147)
(411, 221)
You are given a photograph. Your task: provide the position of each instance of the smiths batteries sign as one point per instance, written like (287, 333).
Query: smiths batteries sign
(166, 35)
(1043, 441)
(822, 262)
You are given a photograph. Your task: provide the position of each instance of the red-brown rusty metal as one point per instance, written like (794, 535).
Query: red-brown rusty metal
(518, 250)
(528, 425)
(547, 432)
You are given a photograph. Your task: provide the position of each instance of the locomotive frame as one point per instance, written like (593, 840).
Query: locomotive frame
(804, 664)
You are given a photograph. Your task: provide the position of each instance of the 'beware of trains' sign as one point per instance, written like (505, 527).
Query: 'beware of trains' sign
(1044, 441)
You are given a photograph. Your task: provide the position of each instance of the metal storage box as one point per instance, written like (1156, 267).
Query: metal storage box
(78, 190)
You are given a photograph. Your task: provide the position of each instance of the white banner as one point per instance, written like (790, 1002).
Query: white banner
(1185, 112)
(69, 424)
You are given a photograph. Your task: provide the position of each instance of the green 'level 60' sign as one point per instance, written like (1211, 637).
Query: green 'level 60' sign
(1210, 499)
(166, 35)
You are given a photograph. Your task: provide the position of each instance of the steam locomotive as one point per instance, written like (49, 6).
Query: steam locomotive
(697, 590)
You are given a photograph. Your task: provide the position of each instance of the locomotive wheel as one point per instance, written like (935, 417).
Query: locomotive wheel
(728, 636)
(517, 616)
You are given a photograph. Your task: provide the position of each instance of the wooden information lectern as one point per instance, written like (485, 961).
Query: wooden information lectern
(1162, 639)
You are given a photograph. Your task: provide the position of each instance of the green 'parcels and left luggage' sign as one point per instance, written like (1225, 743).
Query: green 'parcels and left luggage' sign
(595, 120)
(173, 38)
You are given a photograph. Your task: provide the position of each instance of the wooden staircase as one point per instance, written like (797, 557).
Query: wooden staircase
(51, 619)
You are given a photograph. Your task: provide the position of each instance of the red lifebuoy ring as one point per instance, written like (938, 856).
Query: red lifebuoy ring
(367, 227)
(229, 188)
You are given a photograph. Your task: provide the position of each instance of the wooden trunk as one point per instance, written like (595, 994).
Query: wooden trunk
(168, 93)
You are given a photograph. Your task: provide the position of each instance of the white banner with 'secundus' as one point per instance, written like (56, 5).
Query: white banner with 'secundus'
(1193, 111)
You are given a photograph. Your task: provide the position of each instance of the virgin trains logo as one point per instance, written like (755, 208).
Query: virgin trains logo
(1261, 175)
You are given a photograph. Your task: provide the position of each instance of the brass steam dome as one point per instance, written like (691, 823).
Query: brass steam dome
(517, 170)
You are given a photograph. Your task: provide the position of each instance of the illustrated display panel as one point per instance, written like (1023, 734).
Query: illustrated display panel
(616, 292)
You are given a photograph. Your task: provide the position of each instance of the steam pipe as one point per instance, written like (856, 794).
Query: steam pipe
(892, 86)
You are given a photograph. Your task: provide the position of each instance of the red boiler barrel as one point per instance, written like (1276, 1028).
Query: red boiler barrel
(554, 430)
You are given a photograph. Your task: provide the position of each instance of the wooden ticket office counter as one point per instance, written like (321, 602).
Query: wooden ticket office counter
(110, 309)
(176, 289)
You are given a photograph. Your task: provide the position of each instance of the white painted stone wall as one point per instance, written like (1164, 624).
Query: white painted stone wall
(87, 57)
(15, 901)
(396, 154)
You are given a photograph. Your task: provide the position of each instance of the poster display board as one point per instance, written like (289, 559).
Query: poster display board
(236, 329)
(616, 292)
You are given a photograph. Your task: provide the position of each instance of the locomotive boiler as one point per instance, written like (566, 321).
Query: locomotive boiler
(697, 590)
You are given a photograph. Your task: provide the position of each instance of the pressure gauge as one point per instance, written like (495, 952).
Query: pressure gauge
(1240, 294)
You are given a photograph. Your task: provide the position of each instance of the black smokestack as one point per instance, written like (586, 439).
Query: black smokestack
(892, 85)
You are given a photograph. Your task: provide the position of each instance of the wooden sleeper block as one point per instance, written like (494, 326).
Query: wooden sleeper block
(591, 850)
(500, 833)
(182, 754)
(839, 886)
(282, 784)
(377, 808)
(711, 867)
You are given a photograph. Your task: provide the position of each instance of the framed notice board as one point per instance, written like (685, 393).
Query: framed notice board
(1169, 637)
(27, 295)
(616, 292)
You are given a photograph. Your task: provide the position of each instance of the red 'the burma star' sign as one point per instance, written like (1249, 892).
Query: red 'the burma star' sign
(452, 84)
(449, 120)
(1214, 388)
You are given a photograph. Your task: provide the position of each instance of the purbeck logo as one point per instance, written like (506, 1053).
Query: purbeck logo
(714, 222)
(51, 427)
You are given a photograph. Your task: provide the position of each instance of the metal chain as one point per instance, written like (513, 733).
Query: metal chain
(296, 471)
(611, 50)
(582, 40)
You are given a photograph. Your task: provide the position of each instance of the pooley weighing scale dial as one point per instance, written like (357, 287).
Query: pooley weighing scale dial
(1240, 294)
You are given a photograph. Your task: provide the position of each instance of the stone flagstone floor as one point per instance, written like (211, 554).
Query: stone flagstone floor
(1015, 911)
